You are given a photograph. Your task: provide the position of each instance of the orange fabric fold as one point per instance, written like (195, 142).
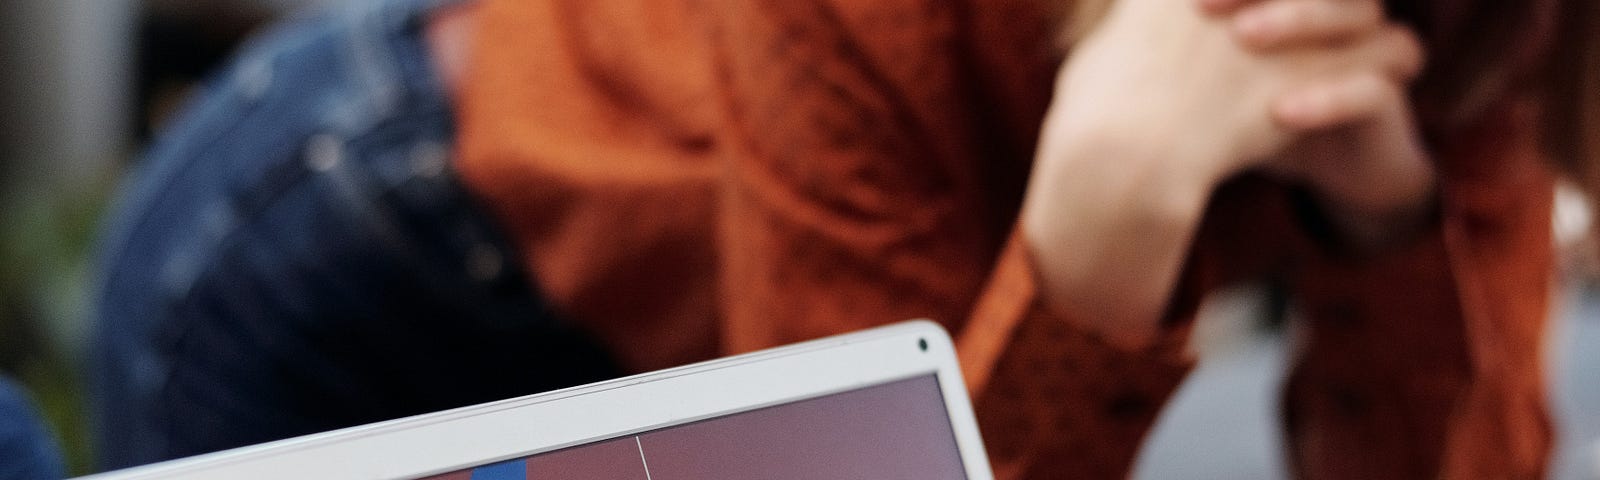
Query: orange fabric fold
(694, 178)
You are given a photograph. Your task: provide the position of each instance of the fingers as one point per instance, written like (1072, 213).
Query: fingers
(1218, 7)
(1338, 102)
(1279, 24)
(1272, 25)
(1391, 59)
(1400, 51)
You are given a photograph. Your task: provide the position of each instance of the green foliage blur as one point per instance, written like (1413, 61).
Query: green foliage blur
(47, 235)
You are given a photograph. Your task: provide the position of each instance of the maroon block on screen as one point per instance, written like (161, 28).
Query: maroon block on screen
(897, 430)
(609, 460)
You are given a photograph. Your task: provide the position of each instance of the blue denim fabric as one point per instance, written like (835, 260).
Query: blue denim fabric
(296, 254)
(27, 451)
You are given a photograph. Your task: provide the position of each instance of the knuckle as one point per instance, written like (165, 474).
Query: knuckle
(1220, 6)
(1357, 95)
(1368, 12)
(1345, 16)
(1396, 51)
(1375, 93)
(1407, 48)
(1302, 14)
(1369, 84)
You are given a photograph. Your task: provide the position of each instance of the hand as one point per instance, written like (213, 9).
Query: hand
(1360, 151)
(1267, 26)
(1372, 177)
(1150, 68)
(1156, 107)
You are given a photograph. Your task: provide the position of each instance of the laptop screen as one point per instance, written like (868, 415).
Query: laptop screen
(893, 430)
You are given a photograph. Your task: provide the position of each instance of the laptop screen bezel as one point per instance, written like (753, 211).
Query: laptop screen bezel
(465, 437)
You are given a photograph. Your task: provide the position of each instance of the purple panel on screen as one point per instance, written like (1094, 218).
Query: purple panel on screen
(893, 431)
(610, 460)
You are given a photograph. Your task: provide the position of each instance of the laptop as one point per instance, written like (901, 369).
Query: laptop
(886, 403)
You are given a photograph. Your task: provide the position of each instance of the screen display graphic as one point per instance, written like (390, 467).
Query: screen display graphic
(897, 430)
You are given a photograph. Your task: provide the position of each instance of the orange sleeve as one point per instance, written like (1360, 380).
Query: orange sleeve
(1051, 396)
(858, 189)
(857, 193)
(861, 162)
(866, 180)
(861, 189)
(1426, 361)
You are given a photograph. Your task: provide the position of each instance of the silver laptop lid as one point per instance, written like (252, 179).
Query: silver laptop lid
(883, 403)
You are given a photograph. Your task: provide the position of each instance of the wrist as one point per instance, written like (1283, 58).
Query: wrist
(1349, 230)
(1108, 222)
(1151, 176)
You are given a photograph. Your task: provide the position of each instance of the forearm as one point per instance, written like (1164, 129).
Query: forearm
(1109, 221)
(1129, 157)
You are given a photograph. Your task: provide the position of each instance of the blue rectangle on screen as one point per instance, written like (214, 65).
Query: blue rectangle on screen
(507, 470)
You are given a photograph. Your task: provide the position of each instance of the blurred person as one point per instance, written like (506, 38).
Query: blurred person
(404, 207)
(180, 41)
(27, 450)
(257, 286)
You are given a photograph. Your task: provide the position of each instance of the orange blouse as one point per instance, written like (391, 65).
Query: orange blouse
(688, 179)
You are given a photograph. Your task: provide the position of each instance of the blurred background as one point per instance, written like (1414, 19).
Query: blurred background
(85, 83)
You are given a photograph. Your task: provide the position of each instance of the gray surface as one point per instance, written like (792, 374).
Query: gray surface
(1223, 423)
(1576, 373)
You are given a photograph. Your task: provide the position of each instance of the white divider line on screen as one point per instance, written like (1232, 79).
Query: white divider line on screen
(641, 457)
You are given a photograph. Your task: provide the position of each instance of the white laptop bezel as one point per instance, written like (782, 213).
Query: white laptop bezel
(465, 437)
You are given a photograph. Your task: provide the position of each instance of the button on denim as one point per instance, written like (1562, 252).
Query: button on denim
(297, 254)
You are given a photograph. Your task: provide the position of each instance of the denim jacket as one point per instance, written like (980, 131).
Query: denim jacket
(296, 254)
